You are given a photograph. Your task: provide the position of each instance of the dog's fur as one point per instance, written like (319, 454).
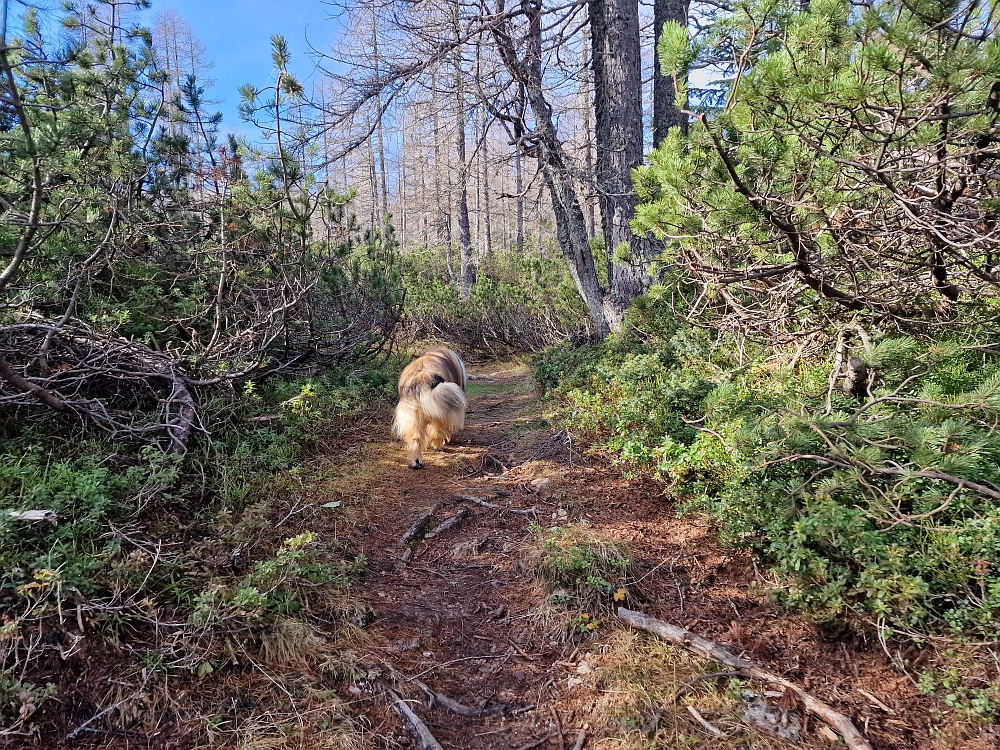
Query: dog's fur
(432, 402)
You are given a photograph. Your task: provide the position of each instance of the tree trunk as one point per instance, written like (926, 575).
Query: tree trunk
(518, 189)
(468, 263)
(666, 109)
(379, 136)
(571, 227)
(618, 138)
(588, 128)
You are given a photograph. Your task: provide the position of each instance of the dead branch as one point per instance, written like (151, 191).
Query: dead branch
(453, 705)
(494, 506)
(710, 728)
(711, 650)
(418, 526)
(427, 741)
(448, 524)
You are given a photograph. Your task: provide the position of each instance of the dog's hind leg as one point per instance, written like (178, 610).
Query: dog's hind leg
(409, 425)
(437, 436)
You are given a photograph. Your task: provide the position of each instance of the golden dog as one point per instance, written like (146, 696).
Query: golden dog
(432, 402)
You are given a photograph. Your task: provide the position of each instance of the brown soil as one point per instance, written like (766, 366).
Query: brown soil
(468, 616)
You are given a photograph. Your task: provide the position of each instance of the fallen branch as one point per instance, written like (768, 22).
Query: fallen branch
(581, 737)
(453, 705)
(494, 506)
(711, 650)
(710, 728)
(427, 741)
(448, 524)
(419, 525)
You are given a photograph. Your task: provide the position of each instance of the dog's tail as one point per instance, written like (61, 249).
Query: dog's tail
(445, 404)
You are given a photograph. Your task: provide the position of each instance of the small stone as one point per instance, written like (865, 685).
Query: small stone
(573, 682)
(584, 668)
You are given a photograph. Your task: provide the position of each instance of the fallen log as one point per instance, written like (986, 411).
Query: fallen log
(711, 650)
(418, 526)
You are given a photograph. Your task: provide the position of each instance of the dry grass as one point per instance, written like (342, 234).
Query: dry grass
(640, 677)
(574, 562)
(292, 643)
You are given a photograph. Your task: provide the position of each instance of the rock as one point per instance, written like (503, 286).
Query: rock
(762, 715)
(468, 548)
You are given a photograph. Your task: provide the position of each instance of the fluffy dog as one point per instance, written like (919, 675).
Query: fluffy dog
(432, 402)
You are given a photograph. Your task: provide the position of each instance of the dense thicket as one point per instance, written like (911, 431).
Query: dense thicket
(145, 260)
(175, 311)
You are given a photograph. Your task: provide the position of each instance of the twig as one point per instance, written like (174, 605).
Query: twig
(101, 714)
(877, 702)
(581, 737)
(711, 650)
(448, 524)
(494, 506)
(535, 743)
(427, 741)
(559, 730)
(711, 728)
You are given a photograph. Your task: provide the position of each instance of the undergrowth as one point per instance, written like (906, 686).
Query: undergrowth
(880, 512)
(518, 303)
(172, 562)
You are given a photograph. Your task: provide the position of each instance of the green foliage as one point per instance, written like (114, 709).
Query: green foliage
(579, 567)
(835, 150)
(632, 398)
(269, 589)
(869, 511)
(518, 303)
(958, 684)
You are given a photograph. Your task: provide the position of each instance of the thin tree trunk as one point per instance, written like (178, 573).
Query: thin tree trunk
(485, 179)
(666, 109)
(519, 189)
(379, 137)
(468, 263)
(588, 130)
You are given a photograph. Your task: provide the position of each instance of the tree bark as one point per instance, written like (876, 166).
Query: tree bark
(666, 109)
(617, 65)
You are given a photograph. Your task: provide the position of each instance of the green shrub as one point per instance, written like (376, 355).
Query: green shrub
(880, 511)
(518, 303)
(578, 566)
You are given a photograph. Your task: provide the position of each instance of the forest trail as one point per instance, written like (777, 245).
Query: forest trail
(466, 614)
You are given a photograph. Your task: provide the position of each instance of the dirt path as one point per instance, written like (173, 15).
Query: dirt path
(469, 616)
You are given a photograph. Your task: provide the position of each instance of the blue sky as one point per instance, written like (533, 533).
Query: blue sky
(237, 35)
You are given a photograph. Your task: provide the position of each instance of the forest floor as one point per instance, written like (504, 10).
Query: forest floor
(473, 614)
(471, 617)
